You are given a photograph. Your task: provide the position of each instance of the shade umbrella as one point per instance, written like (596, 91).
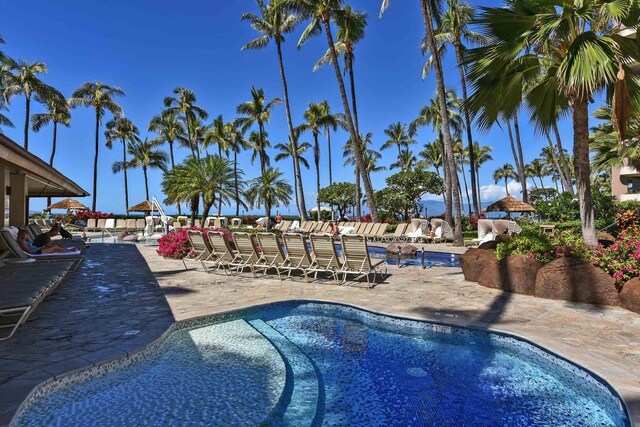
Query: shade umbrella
(322, 208)
(69, 204)
(509, 204)
(145, 206)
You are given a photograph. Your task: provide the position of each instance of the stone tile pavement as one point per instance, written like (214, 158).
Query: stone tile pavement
(91, 314)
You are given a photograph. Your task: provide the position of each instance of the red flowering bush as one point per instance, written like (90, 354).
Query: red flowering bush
(628, 219)
(473, 221)
(84, 215)
(365, 218)
(176, 245)
(249, 220)
(622, 259)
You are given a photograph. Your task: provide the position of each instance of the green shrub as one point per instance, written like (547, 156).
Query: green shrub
(530, 242)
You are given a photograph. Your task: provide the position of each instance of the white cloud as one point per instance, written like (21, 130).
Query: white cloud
(493, 192)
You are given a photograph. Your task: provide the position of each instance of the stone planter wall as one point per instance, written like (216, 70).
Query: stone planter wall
(566, 278)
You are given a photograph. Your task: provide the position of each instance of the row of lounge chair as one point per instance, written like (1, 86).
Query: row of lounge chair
(489, 229)
(292, 254)
(26, 280)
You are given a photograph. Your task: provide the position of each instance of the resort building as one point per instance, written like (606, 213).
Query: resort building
(24, 175)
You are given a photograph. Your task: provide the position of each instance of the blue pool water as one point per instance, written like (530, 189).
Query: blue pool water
(308, 364)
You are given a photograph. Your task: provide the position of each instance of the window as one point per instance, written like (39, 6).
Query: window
(633, 186)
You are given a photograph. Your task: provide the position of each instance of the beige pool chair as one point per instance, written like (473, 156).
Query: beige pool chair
(200, 250)
(397, 235)
(377, 236)
(441, 229)
(91, 224)
(272, 255)
(224, 253)
(140, 224)
(236, 222)
(485, 231)
(514, 228)
(325, 257)
(366, 231)
(121, 224)
(197, 223)
(359, 227)
(15, 251)
(130, 224)
(22, 288)
(246, 255)
(357, 260)
(285, 226)
(500, 226)
(298, 256)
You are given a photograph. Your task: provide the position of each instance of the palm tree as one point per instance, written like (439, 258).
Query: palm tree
(123, 130)
(100, 97)
(169, 130)
(504, 172)
(259, 145)
(57, 113)
(552, 45)
(317, 119)
(483, 155)
(431, 156)
(237, 143)
(275, 21)
(351, 26)
(257, 111)
(454, 29)
(208, 177)
(370, 157)
(21, 78)
(268, 190)
(428, 18)
(184, 107)
(537, 169)
(333, 121)
(406, 160)
(398, 137)
(217, 134)
(286, 151)
(321, 13)
(144, 155)
(462, 159)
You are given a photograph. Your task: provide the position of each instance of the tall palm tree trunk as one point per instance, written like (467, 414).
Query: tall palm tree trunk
(358, 205)
(295, 190)
(235, 179)
(477, 172)
(357, 149)
(302, 209)
(521, 174)
(146, 182)
(124, 170)
(173, 165)
(583, 168)
(26, 122)
(448, 207)
(206, 207)
(466, 191)
(220, 194)
(328, 135)
(95, 164)
(554, 159)
(442, 101)
(316, 159)
(261, 152)
(467, 121)
(541, 183)
(352, 85)
(567, 181)
(516, 159)
(53, 151)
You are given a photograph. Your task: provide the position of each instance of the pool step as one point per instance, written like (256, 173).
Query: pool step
(303, 403)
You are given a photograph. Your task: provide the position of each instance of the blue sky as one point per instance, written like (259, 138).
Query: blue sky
(148, 49)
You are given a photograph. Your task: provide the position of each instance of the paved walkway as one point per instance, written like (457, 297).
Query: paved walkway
(109, 306)
(133, 297)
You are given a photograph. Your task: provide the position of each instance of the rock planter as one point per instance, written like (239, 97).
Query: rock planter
(474, 261)
(566, 278)
(630, 295)
(520, 274)
(574, 279)
(406, 249)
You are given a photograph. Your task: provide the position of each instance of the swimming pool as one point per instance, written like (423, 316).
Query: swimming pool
(311, 364)
(431, 258)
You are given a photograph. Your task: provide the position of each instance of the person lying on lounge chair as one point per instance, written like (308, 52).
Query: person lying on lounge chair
(32, 249)
(333, 230)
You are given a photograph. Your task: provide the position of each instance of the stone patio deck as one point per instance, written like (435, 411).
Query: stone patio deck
(135, 297)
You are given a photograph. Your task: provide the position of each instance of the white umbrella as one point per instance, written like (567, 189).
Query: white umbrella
(262, 221)
(322, 208)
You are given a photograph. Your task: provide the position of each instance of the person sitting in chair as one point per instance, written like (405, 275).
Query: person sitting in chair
(33, 249)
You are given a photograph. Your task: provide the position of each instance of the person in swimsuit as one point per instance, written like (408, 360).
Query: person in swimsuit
(32, 249)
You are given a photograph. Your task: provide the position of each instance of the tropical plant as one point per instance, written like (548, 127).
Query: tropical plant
(237, 143)
(454, 29)
(144, 155)
(208, 177)
(339, 194)
(505, 172)
(269, 190)
(21, 78)
(569, 51)
(257, 111)
(123, 130)
(333, 122)
(183, 106)
(405, 190)
(537, 169)
(286, 151)
(431, 156)
(273, 23)
(483, 155)
(369, 158)
(406, 160)
(321, 13)
(101, 98)
(398, 137)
